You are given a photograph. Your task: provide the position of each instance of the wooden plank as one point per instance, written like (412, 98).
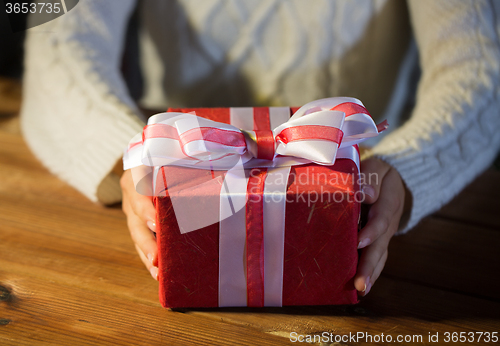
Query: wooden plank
(478, 202)
(450, 255)
(44, 313)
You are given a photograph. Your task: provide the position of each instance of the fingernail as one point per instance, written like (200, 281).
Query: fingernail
(367, 280)
(368, 288)
(154, 273)
(368, 190)
(150, 257)
(151, 225)
(363, 243)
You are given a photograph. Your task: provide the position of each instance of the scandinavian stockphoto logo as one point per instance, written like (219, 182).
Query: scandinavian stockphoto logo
(203, 197)
(26, 14)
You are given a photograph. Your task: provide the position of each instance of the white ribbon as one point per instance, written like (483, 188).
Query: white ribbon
(232, 241)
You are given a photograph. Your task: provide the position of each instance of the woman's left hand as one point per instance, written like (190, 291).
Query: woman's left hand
(385, 197)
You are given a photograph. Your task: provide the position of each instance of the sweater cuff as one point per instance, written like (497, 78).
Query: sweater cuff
(98, 162)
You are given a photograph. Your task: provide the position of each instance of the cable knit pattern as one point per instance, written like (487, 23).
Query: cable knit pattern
(270, 52)
(77, 115)
(454, 131)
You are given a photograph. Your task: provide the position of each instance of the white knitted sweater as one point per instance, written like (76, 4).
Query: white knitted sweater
(77, 115)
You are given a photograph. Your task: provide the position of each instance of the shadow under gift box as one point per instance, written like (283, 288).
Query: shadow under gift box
(321, 234)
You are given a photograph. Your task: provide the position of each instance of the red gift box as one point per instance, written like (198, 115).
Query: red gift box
(320, 239)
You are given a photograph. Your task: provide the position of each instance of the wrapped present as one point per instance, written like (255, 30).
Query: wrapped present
(255, 206)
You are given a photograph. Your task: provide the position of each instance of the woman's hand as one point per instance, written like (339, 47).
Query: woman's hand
(385, 195)
(141, 217)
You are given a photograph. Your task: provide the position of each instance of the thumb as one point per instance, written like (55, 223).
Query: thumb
(373, 171)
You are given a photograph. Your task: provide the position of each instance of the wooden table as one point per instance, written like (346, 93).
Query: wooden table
(69, 274)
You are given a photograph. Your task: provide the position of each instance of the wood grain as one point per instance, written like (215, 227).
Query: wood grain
(55, 314)
(449, 255)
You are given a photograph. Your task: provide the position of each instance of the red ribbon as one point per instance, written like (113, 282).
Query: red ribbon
(350, 108)
(254, 214)
(310, 132)
(265, 144)
(261, 119)
(214, 135)
(254, 211)
(209, 134)
(159, 131)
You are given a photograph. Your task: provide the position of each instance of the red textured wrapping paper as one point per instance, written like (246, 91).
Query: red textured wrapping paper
(321, 226)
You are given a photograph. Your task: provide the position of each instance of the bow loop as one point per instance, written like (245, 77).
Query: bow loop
(314, 136)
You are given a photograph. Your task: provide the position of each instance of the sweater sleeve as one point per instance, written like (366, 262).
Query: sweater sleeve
(77, 115)
(454, 131)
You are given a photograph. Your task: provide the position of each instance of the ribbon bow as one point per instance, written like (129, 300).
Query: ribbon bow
(313, 134)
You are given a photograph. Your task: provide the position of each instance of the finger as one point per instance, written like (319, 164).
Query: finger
(373, 171)
(143, 238)
(369, 194)
(368, 261)
(387, 208)
(141, 205)
(372, 260)
(377, 271)
(138, 229)
(152, 269)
